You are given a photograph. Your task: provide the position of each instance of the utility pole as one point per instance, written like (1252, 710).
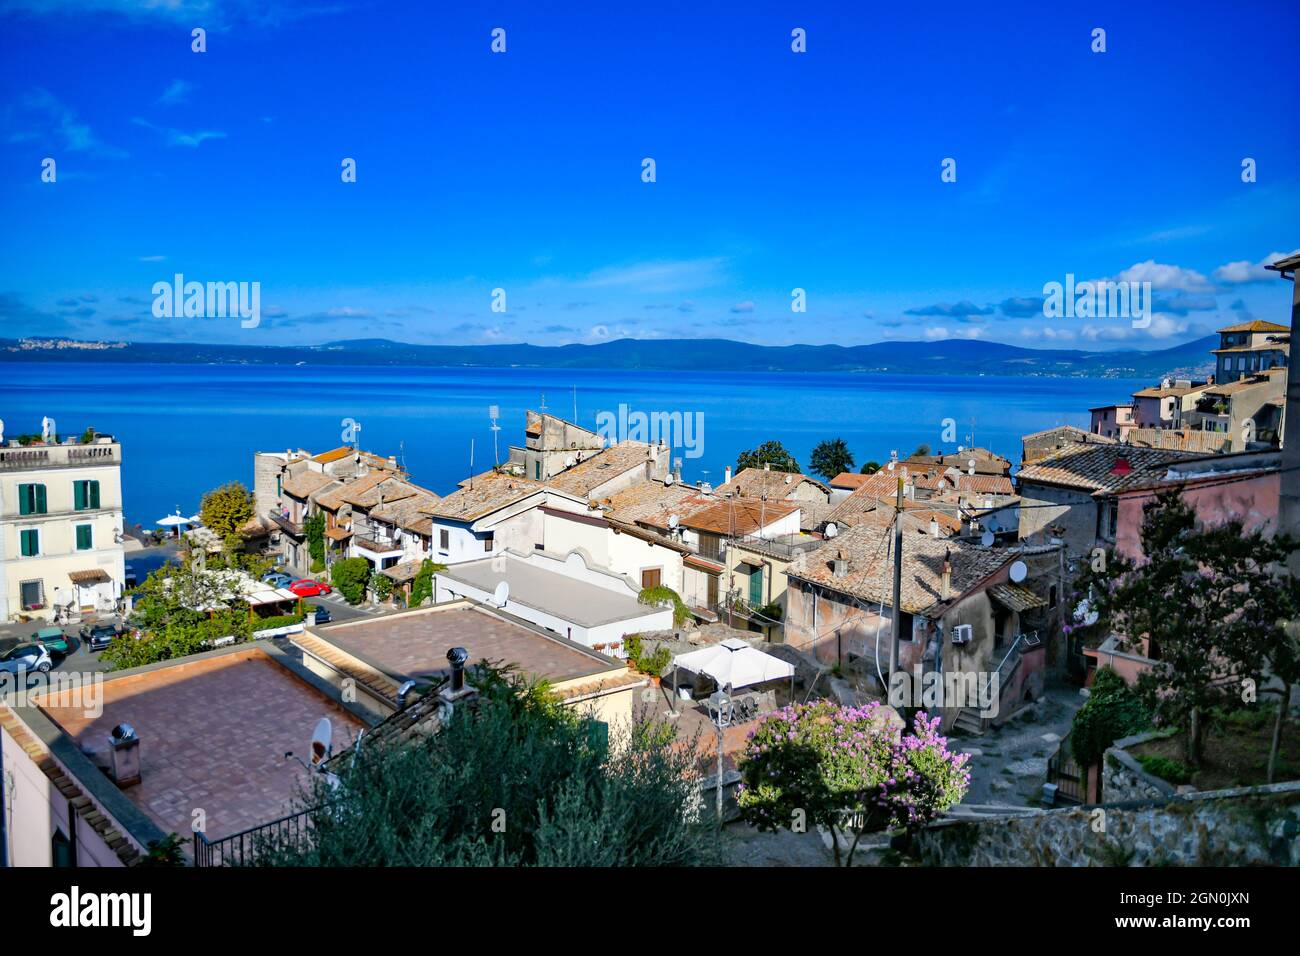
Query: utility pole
(896, 622)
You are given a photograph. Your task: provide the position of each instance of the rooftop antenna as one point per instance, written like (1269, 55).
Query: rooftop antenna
(471, 464)
(401, 453)
(543, 405)
(575, 404)
(494, 413)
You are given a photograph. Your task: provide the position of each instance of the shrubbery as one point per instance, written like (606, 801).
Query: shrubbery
(349, 578)
(1112, 710)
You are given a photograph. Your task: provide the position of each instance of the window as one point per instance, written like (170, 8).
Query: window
(537, 470)
(33, 595)
(489, 540)
(444, 539)
(61, 852)
(85, 495)
(756, 586)
(1051, 596)
(31, 542)
(85, 537)
(31, 499)
(651, 578)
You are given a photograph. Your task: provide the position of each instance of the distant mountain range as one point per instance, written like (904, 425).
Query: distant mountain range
(947, 357)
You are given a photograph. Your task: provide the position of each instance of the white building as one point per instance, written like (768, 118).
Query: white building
(61, 527)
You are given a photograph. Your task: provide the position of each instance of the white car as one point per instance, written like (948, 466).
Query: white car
(26, 657)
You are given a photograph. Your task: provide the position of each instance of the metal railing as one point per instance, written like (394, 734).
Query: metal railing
(243, 848)
(1007, 667)
(57, 456)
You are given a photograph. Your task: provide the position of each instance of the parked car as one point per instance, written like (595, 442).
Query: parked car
(323, 615)
(100, 636)
(277, 579)
(26, 657)
(54, 639)
(309, 588)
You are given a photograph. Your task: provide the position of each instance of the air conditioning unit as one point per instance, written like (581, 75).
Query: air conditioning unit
(962, 633)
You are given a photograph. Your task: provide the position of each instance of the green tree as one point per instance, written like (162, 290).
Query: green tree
(922, 451)
(314, 529)
(1212, 604)
(382, 585)
(422, 585)
(179, 610)
(225, 510)
(769, 453)
(870, 468)
(1112, 710)
(847, 769)
(350, 577)
(831, 458)
(515, 780)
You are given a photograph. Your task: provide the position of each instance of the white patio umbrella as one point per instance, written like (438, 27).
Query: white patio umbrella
(732, 662)
(174, 521)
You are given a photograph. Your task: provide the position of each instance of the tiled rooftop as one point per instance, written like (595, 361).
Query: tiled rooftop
(870, 569)
(590, 474)
(306, 483)
(759, 482)
(415, 644)
(742, 516)
(1091, 468)
(213, 734)
(487, 493)
(652, 499)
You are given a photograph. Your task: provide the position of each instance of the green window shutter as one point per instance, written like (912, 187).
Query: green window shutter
(78, 496)
(85, 537)
(40, 499)
(26, 498)
(94, 493)
(31, 543)
(756, 587)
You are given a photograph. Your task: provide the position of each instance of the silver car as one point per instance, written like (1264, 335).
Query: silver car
(26, 657)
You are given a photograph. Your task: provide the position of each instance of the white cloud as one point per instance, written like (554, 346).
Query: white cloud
(1165, 277)
(178, 91)
(1242, 270)
(745, 306)
(658, 276)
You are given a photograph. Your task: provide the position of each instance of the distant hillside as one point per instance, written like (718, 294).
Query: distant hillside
(947, 357)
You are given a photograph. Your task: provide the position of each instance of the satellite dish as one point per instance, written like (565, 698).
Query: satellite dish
(668, 478)
(986, 539)
(322, 742)
(832, 530)
(673, 521)
(570, 462)
(1018, 571)
(502, 594)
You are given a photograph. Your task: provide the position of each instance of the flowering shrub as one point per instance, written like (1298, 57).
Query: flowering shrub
(848, 769)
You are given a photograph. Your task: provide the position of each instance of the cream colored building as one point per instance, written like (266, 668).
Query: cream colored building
(61, 528)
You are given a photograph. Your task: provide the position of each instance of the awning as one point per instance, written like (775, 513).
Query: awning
(338, 534)
(1014, 597)
(93, 576)
(404, 572)
(735, 663)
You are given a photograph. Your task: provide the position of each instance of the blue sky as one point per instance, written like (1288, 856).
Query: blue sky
(522, 170)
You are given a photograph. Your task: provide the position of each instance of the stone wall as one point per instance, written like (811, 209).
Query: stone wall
(1249, 826)
(1122, 777)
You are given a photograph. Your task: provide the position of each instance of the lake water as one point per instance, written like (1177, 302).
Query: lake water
(185, 429)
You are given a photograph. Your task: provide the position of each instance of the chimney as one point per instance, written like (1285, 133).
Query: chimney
(726, 475)
(767, 466)
(456, 688)
(945, 588)
(840, 566)
(125, 755)
(934, 527)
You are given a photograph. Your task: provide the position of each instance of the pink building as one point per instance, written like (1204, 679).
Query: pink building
(1112, 421)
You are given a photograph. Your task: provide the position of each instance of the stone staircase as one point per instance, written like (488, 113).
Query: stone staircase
(968, 723)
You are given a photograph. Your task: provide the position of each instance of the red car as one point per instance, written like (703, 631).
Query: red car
(309, 588)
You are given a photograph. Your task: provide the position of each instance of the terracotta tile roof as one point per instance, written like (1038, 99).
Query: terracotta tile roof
(813, 514)
(85, 809)
(1255, 380)
(391, 489)
(404, 572)
(487, 493)
(338, 534)
(870, 574)
(601, 467)
(333, 455)
(1090, 467)
(742, 516)
(1258, 325)
(758, 482)
(338, 497)
(1173, 391)
(1260, 347)
(986, 462)
(849, 479)
(408, 511)
(652, 499)
(604, 685)
(1016, 597)
(306, 484)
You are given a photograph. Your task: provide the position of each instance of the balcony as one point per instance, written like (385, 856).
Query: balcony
(285, 523)
(40, 457)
